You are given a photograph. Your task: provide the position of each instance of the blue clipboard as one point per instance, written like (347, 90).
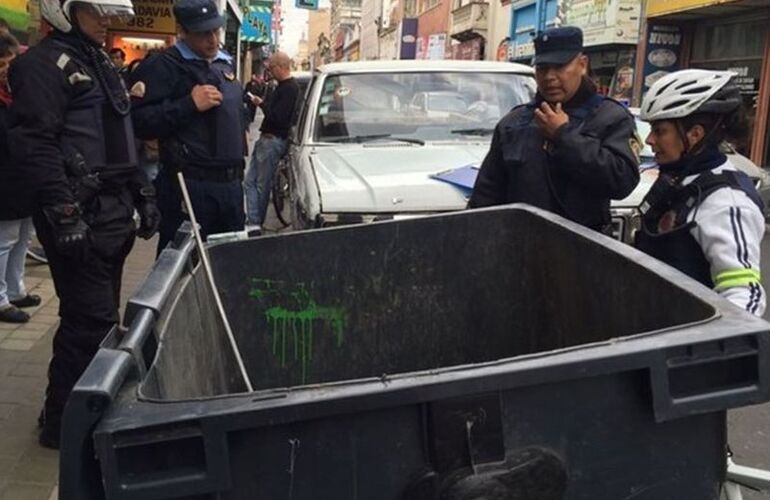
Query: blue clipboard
(463, 177)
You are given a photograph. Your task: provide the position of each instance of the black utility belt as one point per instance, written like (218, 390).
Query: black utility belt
(213, 173)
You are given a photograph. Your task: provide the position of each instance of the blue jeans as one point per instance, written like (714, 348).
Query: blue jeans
(14, 238)
(258, 182)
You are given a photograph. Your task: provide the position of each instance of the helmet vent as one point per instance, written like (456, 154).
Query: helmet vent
(675, 104)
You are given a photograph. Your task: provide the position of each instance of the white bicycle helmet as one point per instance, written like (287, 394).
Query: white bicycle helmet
(57, 12)
(689, 91)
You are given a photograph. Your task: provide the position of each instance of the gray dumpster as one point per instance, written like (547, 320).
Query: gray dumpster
(501, 354)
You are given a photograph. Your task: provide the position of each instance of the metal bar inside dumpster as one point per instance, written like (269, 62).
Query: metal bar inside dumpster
(207, 269)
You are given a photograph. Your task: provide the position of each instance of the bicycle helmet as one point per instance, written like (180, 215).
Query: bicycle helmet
(58, 12)
(689, 91)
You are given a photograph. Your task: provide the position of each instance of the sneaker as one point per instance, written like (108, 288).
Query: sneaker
(12, 314)
(28, 301)
(253, 230)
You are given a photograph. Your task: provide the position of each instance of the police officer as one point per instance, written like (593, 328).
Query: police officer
(702, 215)
(189, 99)
(72, 137)
(570, 150)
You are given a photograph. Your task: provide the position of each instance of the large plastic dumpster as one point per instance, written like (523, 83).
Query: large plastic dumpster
(504, 351)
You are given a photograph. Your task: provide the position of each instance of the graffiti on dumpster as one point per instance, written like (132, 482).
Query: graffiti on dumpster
(293, 328)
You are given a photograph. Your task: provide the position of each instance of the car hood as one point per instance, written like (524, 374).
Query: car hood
(646, 179)
(390, 177)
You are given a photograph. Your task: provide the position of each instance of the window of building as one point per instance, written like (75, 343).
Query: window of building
(736, 46)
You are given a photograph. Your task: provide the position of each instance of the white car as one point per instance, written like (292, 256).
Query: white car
(361, 151)
(625, 213)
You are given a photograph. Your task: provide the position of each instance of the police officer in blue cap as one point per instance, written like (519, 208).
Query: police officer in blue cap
(570, 150)
(189, 99)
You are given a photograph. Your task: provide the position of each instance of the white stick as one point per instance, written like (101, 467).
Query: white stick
(207, 268)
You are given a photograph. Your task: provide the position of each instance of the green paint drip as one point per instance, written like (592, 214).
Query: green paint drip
(299, 322)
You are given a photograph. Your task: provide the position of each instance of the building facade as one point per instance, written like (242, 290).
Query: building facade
(724, 35)
(498, 30)
(319, 37)
(346, 29)
(610, 32)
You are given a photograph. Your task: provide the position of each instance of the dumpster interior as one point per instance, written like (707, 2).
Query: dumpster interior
(403, 296)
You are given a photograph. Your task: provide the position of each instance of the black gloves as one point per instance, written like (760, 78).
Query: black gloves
(147, 207)
(69, 230)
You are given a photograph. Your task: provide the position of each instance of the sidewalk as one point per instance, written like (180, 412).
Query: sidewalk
(28, 471)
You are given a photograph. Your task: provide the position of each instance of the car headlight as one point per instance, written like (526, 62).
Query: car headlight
(625, 224)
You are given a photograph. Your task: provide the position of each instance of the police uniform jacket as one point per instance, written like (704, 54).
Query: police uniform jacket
(61, 109)
(593, 159)
(163, 109)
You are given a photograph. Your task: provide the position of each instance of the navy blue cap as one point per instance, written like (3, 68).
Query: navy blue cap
(558, 45)
(197, 16)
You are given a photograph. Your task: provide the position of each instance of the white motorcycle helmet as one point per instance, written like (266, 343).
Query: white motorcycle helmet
(58, 12)
(689, 91)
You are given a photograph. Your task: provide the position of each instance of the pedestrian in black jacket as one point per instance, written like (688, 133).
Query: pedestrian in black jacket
(570, 150)
(278, 108)
(72, 137)
(15, 208)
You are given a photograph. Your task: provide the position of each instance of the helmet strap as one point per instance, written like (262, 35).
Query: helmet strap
(698, 147)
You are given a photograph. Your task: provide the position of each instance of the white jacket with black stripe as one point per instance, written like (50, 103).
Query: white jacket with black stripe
(729, 228)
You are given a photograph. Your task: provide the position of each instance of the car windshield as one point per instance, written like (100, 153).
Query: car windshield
(643, 129)
(431, 106)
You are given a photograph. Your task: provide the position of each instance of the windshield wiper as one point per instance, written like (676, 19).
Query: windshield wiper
(473, 131)
(375, 137)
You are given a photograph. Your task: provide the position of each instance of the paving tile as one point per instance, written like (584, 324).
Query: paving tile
(17, 491)
(27, 335)
(28, 370)
(16, 345)
(5, 411)
(37, 470)
(13, 446)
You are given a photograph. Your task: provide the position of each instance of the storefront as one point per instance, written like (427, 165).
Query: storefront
(714, 35)
(610, 35)
(152, 27)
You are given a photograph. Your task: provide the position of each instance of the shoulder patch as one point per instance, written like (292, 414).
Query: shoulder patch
(635, 143)
(63, 60)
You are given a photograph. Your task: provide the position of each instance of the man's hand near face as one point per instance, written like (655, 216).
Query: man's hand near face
(549, 119)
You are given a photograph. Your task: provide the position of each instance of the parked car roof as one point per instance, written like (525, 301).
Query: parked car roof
(425, 66)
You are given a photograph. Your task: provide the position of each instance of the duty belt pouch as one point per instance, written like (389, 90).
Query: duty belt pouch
(84, 183)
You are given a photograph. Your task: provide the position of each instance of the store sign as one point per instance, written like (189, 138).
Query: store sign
(470, 50)
(747, 82)
(257, 24)
(150, 16)
(408, 38)
(518, 50)
(661, 7)
(664, 43)
(502, 50)
(436, 46)
(603, 21)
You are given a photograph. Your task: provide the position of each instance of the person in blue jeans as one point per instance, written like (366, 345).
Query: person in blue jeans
(15, 210)
(278, 109)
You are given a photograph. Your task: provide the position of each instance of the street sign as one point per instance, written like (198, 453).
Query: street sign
(257, 24)
(306, 4)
